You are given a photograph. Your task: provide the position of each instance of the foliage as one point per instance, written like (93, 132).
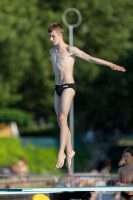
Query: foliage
(10, 151)
(20, 117)
(37, 131)
(24, 72)
(40, 159)
(83, 154)
(26, 75)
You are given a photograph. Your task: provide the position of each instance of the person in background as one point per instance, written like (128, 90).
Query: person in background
(125, 174)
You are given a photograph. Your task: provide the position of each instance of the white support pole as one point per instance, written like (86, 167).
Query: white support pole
(71, 113)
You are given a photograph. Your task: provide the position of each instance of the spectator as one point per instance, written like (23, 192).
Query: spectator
(23, 167)
(125, 174)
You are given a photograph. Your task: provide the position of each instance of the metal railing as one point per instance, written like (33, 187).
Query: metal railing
(90, 179)
(47, 181)
(24, 181)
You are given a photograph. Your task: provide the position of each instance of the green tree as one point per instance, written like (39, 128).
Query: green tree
(24, 64)
(101, 92)
(25, 69)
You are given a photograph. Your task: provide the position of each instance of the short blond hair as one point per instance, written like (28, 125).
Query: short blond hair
(56, 27)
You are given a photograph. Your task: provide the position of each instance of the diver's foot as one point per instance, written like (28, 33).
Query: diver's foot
(60, 160)
(69, 159)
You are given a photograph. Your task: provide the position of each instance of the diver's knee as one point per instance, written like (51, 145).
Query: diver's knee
(62, 119)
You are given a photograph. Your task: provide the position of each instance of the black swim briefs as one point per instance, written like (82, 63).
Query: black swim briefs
(59, 88)
(125, 195)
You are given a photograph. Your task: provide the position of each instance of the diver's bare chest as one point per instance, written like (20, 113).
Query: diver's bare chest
(59, 57)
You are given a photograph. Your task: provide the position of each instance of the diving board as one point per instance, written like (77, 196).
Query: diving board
(61, 190)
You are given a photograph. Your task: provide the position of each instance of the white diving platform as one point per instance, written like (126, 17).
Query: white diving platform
(64, 190)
